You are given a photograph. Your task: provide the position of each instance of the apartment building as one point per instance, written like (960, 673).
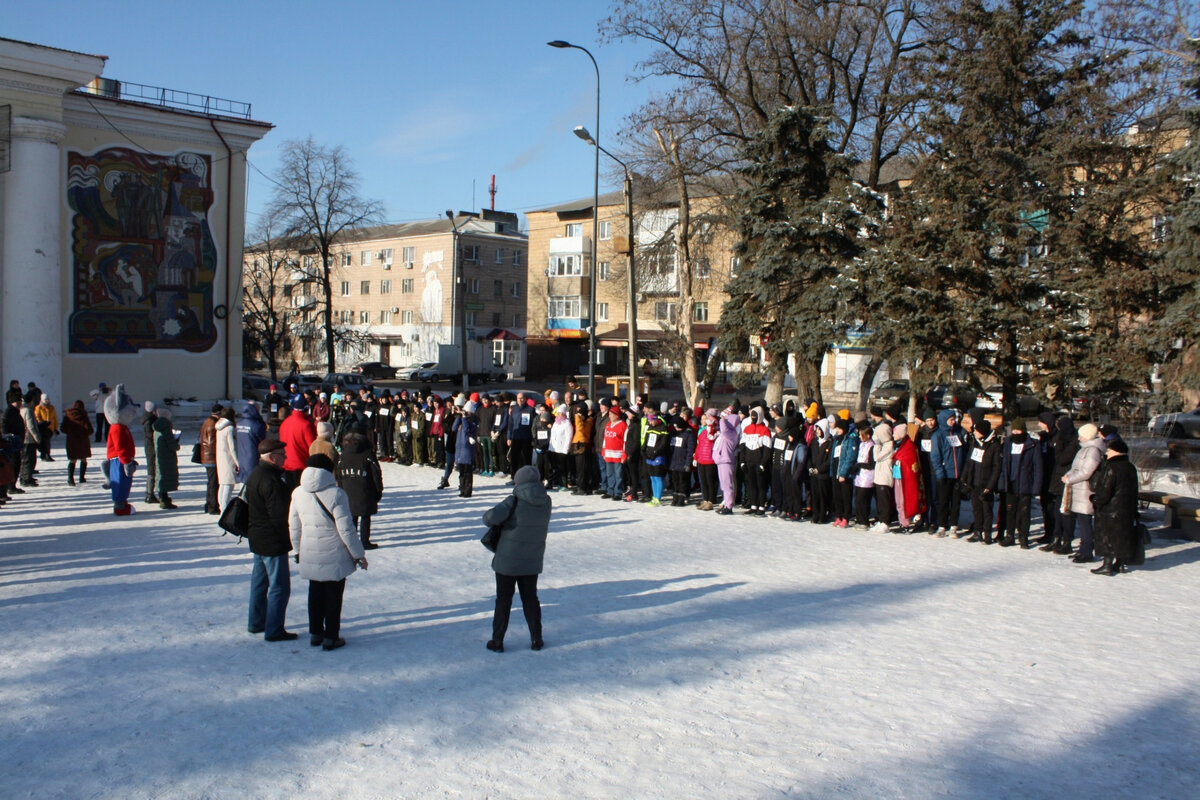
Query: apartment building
(561, 276)
(399, 292)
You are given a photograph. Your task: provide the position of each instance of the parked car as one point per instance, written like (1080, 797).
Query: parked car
(955, 395)
(304, 382)
(255, 387)
(425, 371)
(350, 381)
(992, 398)
(1074, 401)
(1180, 425)
(375, 369)
(892, 392)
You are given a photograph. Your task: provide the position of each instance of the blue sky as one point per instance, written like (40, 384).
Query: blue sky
(427, 97)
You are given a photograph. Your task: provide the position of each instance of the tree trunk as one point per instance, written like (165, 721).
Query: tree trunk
(327, 288)
(868, 378)
(776, 372)
(808, 380)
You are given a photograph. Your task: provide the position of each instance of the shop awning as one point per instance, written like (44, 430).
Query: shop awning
(702, 334)
(504, 333)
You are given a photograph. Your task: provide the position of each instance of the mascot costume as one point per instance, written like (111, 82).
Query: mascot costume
(120, 412)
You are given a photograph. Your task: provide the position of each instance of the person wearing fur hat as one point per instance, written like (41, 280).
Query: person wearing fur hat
(1077, 508)
(47, 419)
(120, 412)
(166, 456)
(1115, 506)
(208, 458)
(909, 484)
(466, 439)
(981, 474)
(524, 519)
(149, 414)
(1020, 480)
(77, 427)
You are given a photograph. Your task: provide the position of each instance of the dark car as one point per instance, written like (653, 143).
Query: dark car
(955, 395)
(375, 369)
(350, 381)
(891, 393)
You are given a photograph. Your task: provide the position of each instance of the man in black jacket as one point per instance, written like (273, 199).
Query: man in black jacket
(267, 532)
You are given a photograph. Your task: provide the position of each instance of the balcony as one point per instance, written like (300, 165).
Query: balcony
(567, 324)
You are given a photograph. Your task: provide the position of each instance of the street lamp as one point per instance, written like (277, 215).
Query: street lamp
(582, 133)
(459, 299)
(595, 226)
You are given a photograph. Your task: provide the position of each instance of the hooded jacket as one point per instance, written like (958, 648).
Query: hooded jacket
(885, 449)
(227, 461)
(466, 435)
(1087, 460)
(297, 432)
(524, 517)
(947, 452)
(251, 430)
(166, 456)
(725, 447)
(77, 426)
(359, 475)
(907, 462)
(324, 536)
(984, 462)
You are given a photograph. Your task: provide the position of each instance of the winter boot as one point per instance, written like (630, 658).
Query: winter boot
(82, 472)
(71, 473)
(1109, 567)
(1052, 546)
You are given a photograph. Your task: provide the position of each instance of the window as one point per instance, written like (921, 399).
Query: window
(345, 288)
(602, 312)
(516, 320)
(499, 255)
(565, 306)
(385, 287)
(386, 255)
(701, 268)
(307, 262)
(346, 317)
(364, 287)
(406, 286)
(364, 317)
(735, 266)
(700, 312)
(602, 270)
(574, 229)
(469, 318)
(516, 258)
(406, 317)
(470, 253)
(347, 259)
(408, 255)
(566, 266)
(474, 286)
(498, 288)
(366, 257)
(605, 230)
(665, 313)
(516, 289)
(385, 317)
(1158, 229)
(287, 291)
(495, 319)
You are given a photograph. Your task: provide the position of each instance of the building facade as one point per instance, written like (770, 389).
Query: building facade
(121, 220)
(399, 292)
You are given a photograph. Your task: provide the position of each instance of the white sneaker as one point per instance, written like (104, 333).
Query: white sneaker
(880, 527)
(953, 531)
(942, 533)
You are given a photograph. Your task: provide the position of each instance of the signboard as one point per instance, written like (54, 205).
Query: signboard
(473, 306)
(5, 138)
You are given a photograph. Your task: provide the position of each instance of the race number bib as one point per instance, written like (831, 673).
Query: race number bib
(274, 407)
(525, 418)
(837, 451)
(383, 412)
(429, 416)
(404, 429)
(677, 441)
(496, 423)
(954, 440)
(368, 413)
(977, 455)
(780, 444)
(1018, 448)
(926, 445)
(787, 455)
(651, 438)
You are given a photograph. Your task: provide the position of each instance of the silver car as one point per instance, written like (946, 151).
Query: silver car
(1179, 425)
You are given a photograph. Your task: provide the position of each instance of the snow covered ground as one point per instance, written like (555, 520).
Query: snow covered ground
(687, 655)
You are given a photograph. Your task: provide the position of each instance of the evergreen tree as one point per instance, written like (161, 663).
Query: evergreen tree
(800, 222)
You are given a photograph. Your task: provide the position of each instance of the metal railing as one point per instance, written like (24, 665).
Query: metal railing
(167, 98)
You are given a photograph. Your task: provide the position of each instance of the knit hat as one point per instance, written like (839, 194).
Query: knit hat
(811, 412)
(842, 425)
(1047, 417)
(320, 461)
(217, 408)
(474, 397)
(712, 412)
(1018, 425)
(928, 413)
(268, 446)
(1118, 445)
(469, 407)
(1088, 432)
(148, 405)
(300, 404)
(527, 474)
(324, 430)
(1108, 431)
(844, 414)
(983, 428)
(899, 432)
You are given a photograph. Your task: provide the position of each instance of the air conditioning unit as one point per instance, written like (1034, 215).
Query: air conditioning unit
(387, 265)
(408, 265)
(395, 310)
(416, 337)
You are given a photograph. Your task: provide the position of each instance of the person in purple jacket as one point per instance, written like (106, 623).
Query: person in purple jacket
(725, 455)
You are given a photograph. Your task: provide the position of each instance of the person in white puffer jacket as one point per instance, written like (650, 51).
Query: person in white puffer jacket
(1077, 507)
(227, 460)
(327, 546)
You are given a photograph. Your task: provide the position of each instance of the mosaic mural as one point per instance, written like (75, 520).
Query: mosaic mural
(143, 255)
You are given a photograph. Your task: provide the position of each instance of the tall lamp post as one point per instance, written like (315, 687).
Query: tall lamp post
(459, 300)
(591, 384)
(582, 133)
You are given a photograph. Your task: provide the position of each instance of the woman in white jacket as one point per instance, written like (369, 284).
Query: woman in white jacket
(561, 433)
(227, 460)
(1077, 507)
(327, 546)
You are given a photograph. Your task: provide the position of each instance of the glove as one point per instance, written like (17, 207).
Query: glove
(130, 468)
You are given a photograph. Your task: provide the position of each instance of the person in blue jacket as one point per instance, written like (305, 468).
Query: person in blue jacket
(948, 456)
(841, 466)
(251, 430)
(466, 436)
(1020, 479)
(520, 434)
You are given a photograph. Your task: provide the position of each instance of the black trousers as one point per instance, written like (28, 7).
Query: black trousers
(585, 468)
(948, 502)
(708, 482)
(519, 455)
(1051, 516)
(822, 498)
(325, 607)
(981, 511)
(1016, 515)
(210, 493)
(756, 485)
(466, 479)
(885, 503)
(527, 585)
(862, 504)
(501, 455)
(681, 483)
(29, 454)
(363, 524)
(101, 428)
(843, 499)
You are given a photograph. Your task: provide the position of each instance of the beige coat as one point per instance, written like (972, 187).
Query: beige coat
(227, 463)
(885, 449)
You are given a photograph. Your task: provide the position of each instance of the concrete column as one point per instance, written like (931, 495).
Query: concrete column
(31, 325)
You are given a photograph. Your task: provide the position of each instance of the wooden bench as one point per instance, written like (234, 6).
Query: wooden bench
(1179, 513)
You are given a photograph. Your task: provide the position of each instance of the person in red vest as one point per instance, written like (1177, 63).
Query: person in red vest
(614, 453)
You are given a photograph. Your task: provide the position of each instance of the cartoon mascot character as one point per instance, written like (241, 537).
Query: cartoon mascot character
(121, 412)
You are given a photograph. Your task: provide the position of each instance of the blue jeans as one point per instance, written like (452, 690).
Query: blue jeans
(613, 472)
(270, 588)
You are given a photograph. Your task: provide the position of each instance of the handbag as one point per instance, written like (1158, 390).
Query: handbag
(235, 518)
(196, 453)
(491, 539)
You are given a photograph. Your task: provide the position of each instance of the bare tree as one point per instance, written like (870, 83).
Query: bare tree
(266, 311)
(317, 197)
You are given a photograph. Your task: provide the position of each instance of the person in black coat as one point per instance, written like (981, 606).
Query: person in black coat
(1064, 445)
(982, 475)
(1115, 503)
(149, 416)
(358, 474)
(268, 498)
(1020, 480)
(683, 450)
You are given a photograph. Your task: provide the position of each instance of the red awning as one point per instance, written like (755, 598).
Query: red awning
(504, 333)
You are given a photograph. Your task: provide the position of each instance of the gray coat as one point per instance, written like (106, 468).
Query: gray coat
(525, 516)
(1087, 459)
(328, 545)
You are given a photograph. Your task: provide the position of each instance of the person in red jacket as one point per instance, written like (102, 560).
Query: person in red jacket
(297, 432)
(706, 465)
(120, 412)
(909, 484)
(613, 453)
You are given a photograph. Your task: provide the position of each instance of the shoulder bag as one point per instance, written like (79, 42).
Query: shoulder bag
(235, 518)
(491, 539)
